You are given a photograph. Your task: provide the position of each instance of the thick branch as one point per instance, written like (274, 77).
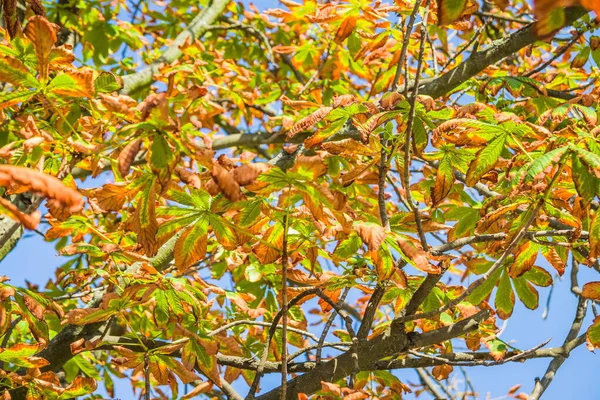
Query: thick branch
(498, 50)
(194, 31)
(393, 341)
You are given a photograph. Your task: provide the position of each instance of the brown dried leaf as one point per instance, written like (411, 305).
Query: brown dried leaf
(42, 184)
(226, 183)
(247, 173)
(418, 257)
(127, 156)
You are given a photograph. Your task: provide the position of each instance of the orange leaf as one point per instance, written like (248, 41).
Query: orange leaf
(440, 372)
(42, 184)
(309, 121)
(371, 234)
(28, 221)
(416, 255)
(591, 290)
(43, 36)
(346, 28)
(34, 307)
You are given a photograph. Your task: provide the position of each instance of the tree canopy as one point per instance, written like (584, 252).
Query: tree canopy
(325, 192)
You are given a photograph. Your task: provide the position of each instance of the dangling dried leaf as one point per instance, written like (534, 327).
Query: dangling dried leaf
(42, 184)
(11, 19)
(34, 307)
(371, 234)
(226, 183)
(309, 121)
(28, 221)
(37, 7)
(188, 177)
(247, 173)
(110, 197)
(127, 156)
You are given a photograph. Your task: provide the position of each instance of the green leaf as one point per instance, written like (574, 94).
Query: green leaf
(526, 292)
(251, 212)
(349, 246)
(450, 10)
(538, 276)
(540, 163)
(591, 159)
(12, 98)
(16, 73)
(108, 82)
(161, 155)
(585, 182)
(485, 159)
(505, 297)
(592, 336)
(485, 289)
(161, 308)
(71, 86)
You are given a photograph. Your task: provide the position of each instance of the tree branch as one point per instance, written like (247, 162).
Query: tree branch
(194, 31)
(498, 50)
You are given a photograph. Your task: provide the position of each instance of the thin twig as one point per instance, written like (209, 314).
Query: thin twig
(328, 325)
(405, 41)
(284, 306)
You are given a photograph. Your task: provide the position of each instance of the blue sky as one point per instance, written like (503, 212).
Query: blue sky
(36, 260)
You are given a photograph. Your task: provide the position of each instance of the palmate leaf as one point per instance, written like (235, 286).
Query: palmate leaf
(485, 289)
(191, 246)
(485, 159)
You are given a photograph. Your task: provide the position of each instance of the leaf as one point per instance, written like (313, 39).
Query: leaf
(538, 276)
(161, 308)
(484, 290)
(591, 290)
(127, 156)
(250, 213)
(505, 297)
(527, 293)
(228, 186)
(586, 183)
(441, 372)
(589, 158)
(107, 82)
(309, 121)
(346, 28)
(485, 159)
(161, 155)
(443, 181)
(79, 387)
(592, 336)
(11, 98)
(416, 256)
(541, 163)
(42, 184)
(43, 36)
(146, 215)
(16, 73)
(594, 237)
(191, 246)
(348, 247)
(450, 10)
(73, 84)
(268, 250)
(371, 234)
(525, 257)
